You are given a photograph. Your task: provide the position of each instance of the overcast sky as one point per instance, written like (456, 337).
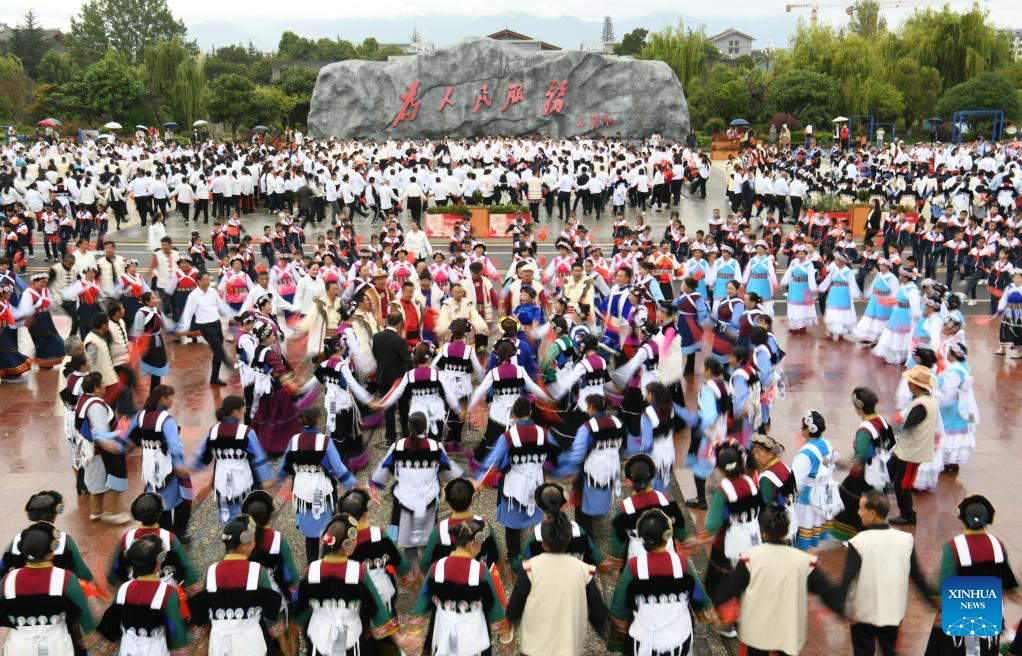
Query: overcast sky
(56, 13)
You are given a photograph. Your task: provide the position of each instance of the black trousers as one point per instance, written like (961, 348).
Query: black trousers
(865, 637)
(415, 207)
(213, 333)
(390, 419)
(897, 468)
(202, 207)
(563, 204)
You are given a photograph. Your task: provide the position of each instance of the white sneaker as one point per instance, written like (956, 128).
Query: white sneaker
(971, 302)
(728, 633)
(1000, 351)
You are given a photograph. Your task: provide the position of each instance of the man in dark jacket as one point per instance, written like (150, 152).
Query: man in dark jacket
(392, 361)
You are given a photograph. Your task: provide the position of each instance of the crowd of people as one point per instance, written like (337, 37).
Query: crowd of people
(579, 364)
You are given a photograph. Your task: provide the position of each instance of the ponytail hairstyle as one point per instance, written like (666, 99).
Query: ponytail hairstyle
(91, 382)
(38, 541)
(773, 524)
(147, 508)
(740, 354)
(309, 417)
(509, 326)
(558, 325)
(423, 353)
(468, 531)
(550, 498)
(77, 361)
(661, 397)
(459, 492)
(597, 403)
(240, 530)
(156, 394)
(865, 399)
(713, 367)
(506, 351)
(233, 403)
(460, 328)
(259, 506)
(44, 506)
(556, 532)
(730, 461)
(145, 555)
(355, 502)
(640, 470)
(340, 534)
(654, 528)
(418, 427)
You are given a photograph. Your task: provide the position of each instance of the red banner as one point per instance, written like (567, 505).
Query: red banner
(499, 223)
(442, 225)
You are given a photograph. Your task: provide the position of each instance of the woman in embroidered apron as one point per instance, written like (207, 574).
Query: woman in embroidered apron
(428, 395)
(973, 553)
(275, 414)
(343, 401)
(714, 411)
(517, 459)
(458, 493)
(415, 464)
(234, 284)
(238, 598)
(727, 315)
(457, 362)
(315, 467)
(41, 603)
(581, 380)
(163, 469)
(633, 377)
(656, 596)
(34, 308)
(873, 441)
(550, 498)
(176, 568)
(239, 462)
(819, 499)
(106, 473)
(129, 288)
(86, 292)
(460, 602)
(880, 291)
(800, 279)
(147, 332)
(508, 382)
(661, 419)
(624, 542)
(146, 618)
(74, 372)
(732, 521)
(595, 458)
(375, 549)
(338, 603)
(775, 479)
(958, 409)
(44, 507)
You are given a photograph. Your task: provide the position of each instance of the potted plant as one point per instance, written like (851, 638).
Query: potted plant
(832, 207)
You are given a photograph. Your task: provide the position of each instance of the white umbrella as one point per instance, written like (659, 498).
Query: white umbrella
(112, 125)
(199, 123)
(141, 127)
(840, 119)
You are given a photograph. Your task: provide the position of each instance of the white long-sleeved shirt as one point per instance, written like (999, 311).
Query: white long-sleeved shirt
(418, 244)
(205, 306)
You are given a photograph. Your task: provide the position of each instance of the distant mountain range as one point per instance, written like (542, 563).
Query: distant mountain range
(565, 31)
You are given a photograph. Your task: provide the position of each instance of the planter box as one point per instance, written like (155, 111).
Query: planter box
(721, 149)
(480, 218)
(441, 226)
(499, 224)
(859, 215)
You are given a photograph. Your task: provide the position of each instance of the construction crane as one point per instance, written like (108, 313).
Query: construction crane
(813, 10)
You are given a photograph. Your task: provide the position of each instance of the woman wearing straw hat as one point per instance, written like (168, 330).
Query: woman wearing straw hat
(915, 444)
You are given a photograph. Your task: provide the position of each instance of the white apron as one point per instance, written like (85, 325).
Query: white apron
(312, 488)
(459, 382)
(660, 626)
(337, 399)
(824, 495)
(35, 638)
(156, 465)
(662, 454)
(635, 547)
(457, 631)
(522, 479)
(417, 488)
(742, 532)
(334, 627)
(236, 636)
(152, 643)
(603, 468)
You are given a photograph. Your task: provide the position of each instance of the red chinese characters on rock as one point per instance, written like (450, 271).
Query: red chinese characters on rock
(447, 99)
(555, 97)
(482, 99)
(515, 94)
(594, 121)
(409, 107)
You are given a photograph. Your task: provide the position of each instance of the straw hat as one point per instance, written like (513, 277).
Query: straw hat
(919, 376)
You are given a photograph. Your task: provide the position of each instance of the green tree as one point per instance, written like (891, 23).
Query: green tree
(271, 106)
(17, 90)
(297, 83)
(229, 59)
(632, 43)
(107, 89)
(607, 33)
(866, 19)
(333, 50)
(54, 68)
(27, 43)
(959, 45)
(985, 91)
(125, 26)
(294, 47)
(680, 49)
(229, 99)
(919, 87)
(807, 95)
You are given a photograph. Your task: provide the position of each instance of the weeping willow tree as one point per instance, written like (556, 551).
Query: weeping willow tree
(959, 45)
(683, 50)
(175, 85)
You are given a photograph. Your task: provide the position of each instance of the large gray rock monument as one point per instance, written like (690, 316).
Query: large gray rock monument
(480, 86)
